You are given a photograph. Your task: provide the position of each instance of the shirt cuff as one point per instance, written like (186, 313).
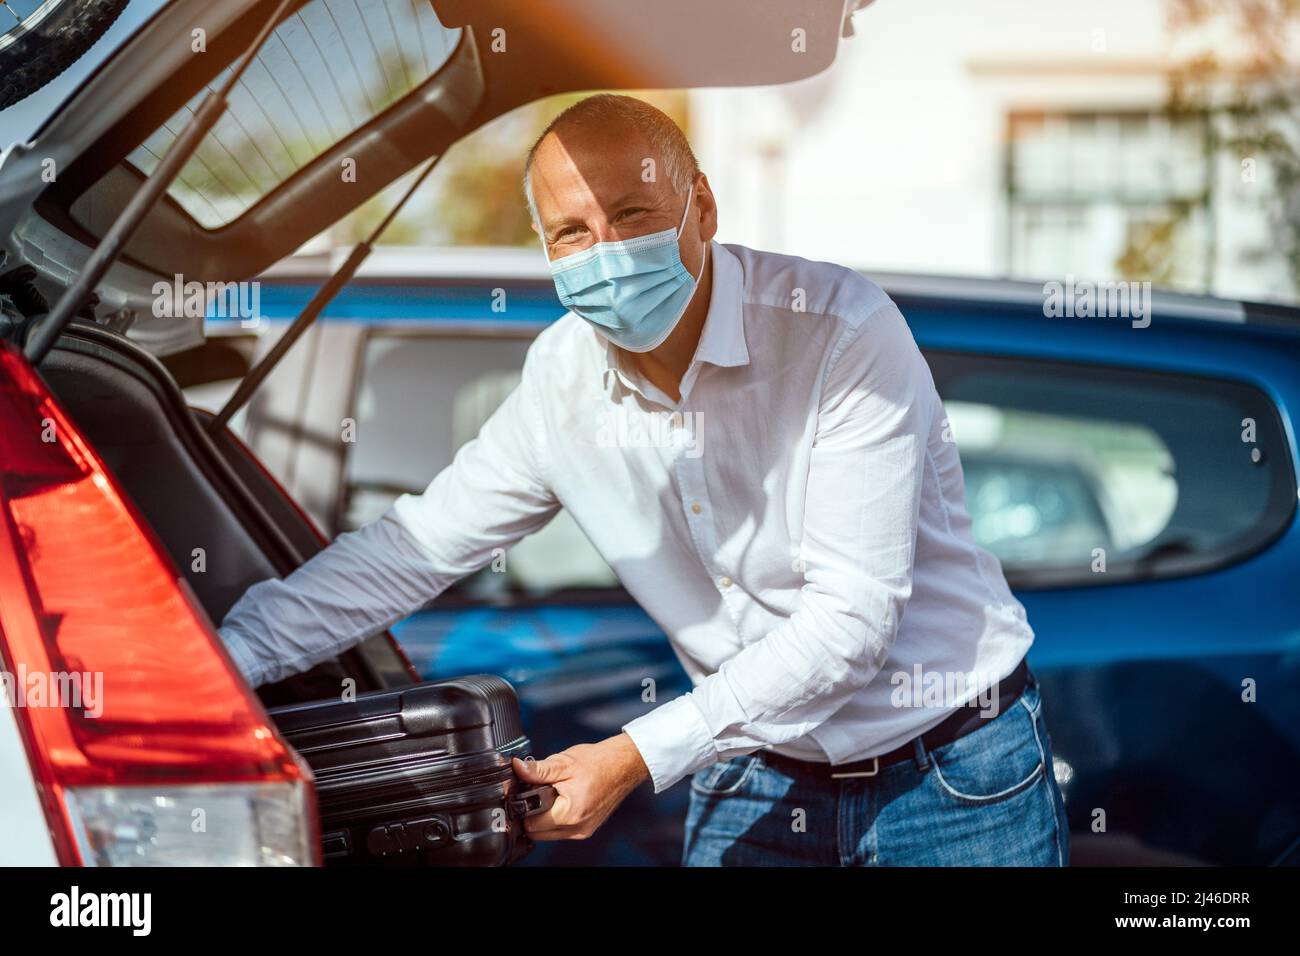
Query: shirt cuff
(674, 741)
(241, 655)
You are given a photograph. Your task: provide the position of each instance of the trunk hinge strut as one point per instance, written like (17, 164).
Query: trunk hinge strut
(312, 310)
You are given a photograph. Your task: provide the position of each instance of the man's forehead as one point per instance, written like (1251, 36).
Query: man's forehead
(585, 146)
(567, 169)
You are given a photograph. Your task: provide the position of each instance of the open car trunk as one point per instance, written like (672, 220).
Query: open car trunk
(220, 516)
(405, 772)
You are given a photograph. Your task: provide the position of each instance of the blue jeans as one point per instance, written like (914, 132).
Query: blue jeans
(988, 798)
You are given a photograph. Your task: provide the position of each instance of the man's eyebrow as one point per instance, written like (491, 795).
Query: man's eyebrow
(558, 222)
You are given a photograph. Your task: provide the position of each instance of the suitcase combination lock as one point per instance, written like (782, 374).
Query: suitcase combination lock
(389, 839)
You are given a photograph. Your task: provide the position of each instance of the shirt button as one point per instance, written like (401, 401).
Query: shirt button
(725, 581)
(697, 507)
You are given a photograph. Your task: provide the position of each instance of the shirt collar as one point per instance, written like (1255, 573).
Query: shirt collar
(722, 340)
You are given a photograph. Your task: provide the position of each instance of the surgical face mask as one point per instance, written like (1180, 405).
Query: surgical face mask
(634, 291)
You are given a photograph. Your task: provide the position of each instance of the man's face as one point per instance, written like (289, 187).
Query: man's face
(589, 187)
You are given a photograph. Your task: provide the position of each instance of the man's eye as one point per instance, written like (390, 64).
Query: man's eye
(624, 214)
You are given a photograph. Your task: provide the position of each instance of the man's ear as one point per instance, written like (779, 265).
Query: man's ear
(708, 207)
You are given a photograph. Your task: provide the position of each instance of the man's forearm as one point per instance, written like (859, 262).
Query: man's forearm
(362, 583)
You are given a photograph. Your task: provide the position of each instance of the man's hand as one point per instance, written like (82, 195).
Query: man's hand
(590, 780)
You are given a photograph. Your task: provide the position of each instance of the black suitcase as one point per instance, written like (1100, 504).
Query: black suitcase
(418, 775)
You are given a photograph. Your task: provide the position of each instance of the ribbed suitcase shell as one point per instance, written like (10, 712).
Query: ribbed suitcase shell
(418, 775)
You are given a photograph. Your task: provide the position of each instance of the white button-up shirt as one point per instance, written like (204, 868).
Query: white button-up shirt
(795, 524)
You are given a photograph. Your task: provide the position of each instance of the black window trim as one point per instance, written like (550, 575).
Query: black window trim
(1276, 519)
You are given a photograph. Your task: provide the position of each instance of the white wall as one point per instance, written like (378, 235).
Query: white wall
(893, 159)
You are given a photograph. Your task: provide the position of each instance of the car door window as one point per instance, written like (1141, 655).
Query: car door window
(1074, 474)
(1079, 474)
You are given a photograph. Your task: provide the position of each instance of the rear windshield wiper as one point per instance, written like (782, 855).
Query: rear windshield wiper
(146, 197)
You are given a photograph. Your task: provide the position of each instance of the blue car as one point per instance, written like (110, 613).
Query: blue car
(1137, 478)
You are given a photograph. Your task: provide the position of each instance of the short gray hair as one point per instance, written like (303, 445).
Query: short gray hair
(611, 109)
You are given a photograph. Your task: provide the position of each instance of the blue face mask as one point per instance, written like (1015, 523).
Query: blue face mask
(634, 291)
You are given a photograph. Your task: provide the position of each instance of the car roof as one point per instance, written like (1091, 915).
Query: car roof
(417, 264)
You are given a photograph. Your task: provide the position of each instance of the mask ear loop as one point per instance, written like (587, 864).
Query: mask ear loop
(545, 252)
(690, 195)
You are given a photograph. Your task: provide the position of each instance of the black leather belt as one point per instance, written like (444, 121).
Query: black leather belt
(957, 724)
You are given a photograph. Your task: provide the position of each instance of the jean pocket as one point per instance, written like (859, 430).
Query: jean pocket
(725, 777)
(1031, 698)
(994, 762)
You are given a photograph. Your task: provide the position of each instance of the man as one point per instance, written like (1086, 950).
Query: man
(799, 535)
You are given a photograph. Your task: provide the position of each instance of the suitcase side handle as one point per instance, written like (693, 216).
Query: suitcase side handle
(528, 803)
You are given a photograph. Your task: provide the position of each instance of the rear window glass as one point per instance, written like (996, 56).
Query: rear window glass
(1076, 474)
(326, 71)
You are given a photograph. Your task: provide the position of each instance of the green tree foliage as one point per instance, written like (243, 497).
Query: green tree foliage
(1239, 73)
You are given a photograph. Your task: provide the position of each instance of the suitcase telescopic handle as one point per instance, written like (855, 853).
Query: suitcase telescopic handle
(527, 803)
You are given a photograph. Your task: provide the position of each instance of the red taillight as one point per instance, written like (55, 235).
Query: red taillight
(85, 589)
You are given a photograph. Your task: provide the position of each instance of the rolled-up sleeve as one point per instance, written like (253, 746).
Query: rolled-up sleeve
(874, 413)
(494, 492)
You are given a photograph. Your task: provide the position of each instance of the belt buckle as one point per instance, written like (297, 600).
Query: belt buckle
(875, 769)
